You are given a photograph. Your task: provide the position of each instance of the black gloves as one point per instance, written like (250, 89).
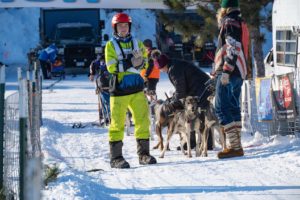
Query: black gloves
(210, 85)
(176, 104)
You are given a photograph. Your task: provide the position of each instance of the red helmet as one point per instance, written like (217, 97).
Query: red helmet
(120, 18)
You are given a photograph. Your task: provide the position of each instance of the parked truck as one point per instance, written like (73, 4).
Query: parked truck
(77, 34)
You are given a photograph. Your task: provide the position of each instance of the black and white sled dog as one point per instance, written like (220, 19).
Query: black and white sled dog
(184, 122)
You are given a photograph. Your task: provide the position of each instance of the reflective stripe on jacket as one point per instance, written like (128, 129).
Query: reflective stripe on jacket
(130, 80)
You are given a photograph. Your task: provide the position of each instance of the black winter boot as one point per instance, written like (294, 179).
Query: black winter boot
(116, 157)
(143, 151)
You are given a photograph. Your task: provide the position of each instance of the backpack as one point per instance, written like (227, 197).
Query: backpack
(245, 39)
(102, 80)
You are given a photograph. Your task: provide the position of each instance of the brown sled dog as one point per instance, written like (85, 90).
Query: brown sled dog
(161, 120)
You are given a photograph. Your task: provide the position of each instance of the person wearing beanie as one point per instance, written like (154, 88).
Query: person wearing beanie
(151, 74)
(125, 56)
(188, 80)
(229, 4)
(162, 62)
(230, 71)
(148, 43)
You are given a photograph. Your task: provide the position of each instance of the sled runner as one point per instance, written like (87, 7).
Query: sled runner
(103, 99)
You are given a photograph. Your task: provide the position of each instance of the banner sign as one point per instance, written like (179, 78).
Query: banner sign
(117, 4)
(246, 106)
(283, 96)
(263, 99)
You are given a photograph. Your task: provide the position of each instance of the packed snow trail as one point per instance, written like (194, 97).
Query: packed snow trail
(270, 168)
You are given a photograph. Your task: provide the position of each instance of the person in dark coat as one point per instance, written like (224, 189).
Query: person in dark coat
(188, 80)
(98, 70)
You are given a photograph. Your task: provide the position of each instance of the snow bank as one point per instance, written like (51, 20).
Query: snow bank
(19, 31)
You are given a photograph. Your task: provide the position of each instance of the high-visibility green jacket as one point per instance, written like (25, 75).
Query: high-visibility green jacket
(124, 82)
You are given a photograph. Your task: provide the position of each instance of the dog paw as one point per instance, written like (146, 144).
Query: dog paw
(204, 155)
(161, 156)
(156, 146)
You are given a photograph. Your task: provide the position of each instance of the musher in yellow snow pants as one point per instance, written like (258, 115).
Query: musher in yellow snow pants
(138, 106)
(125, 56)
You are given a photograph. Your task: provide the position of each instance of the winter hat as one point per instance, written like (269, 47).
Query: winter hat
(148, 43)
(162, 61)
(229, 3)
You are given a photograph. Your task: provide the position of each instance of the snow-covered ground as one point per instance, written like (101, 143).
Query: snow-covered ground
(270, 168)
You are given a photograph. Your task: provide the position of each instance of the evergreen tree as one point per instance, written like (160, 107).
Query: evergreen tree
(208, 30)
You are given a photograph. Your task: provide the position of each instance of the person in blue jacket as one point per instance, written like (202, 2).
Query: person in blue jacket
(47, 57)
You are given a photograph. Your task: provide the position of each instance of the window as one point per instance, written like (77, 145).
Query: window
(285, 48)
